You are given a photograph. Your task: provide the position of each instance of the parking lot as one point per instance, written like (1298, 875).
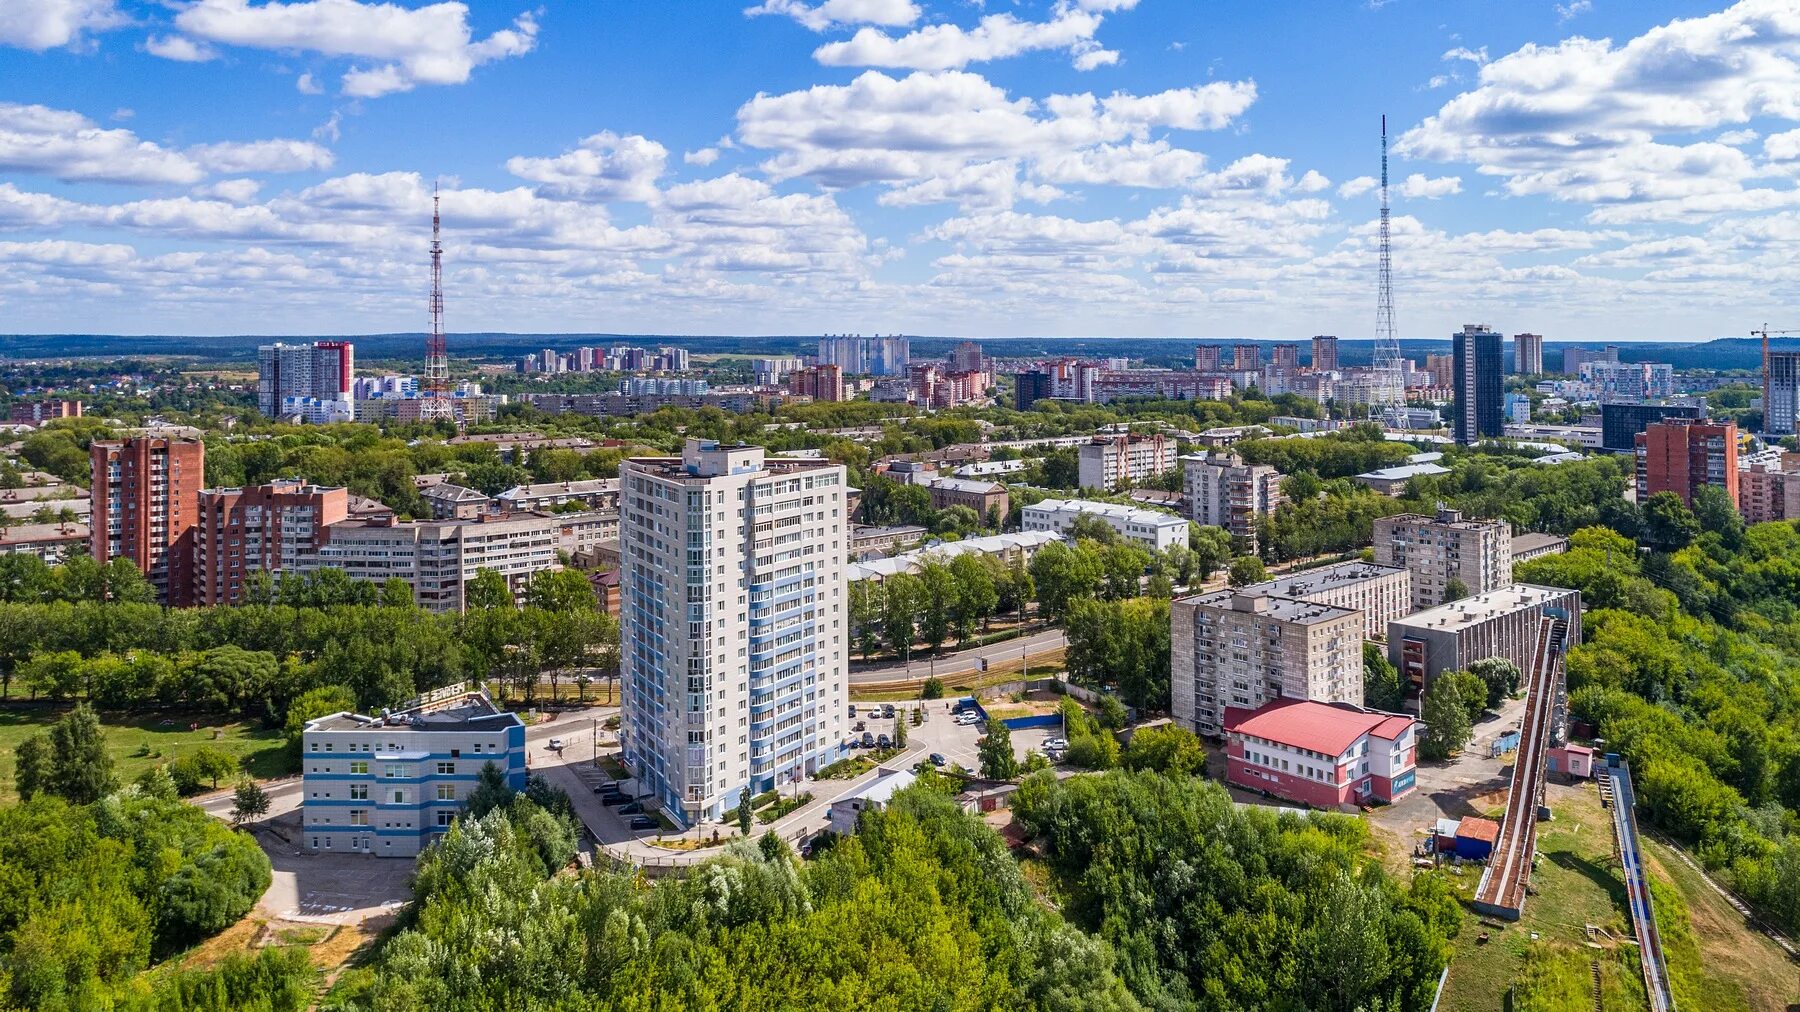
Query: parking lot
(957, 743)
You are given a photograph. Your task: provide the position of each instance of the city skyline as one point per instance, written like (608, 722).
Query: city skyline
(1130, 168)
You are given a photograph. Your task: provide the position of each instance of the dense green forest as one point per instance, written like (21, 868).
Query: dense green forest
(1690, 668)
(924, 908)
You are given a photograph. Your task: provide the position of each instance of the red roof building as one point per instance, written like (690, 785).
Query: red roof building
(1321, 754)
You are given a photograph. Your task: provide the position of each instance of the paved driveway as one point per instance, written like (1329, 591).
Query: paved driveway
(328, 888)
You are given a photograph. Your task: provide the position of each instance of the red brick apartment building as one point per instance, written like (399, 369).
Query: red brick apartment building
(146, 501)
(267, 528)
(1682, 455)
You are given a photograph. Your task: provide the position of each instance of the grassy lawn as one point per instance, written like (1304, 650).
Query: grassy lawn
(1576, 884)
(138, 742)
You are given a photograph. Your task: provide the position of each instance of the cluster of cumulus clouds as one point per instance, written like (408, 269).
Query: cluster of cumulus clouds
(1661, 145)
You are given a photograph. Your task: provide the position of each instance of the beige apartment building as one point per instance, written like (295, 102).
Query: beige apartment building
(1445, 547)
(1230, 648)
(1381, 593)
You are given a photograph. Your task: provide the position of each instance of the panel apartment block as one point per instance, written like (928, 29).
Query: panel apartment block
(1152, 529)
(1108, 461)
(732, 623)
(145, 497)
(437, 558)
(389, 785)
(1437, 549)
(1380, 593)
(1223, 491)
(1230, 649)
(1683, 456)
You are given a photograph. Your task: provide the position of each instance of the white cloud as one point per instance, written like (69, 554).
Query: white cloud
(1093, 57)
(1589, 121)
(70, 147)
(1358, 186)
(980, 186)
(1782, 147)
(1572, 9)
(1153, 164)
(704, 156)
(306, 84)
(605, 166)
(1478, 57)
(179, 48)
(1418, 186)
(950, 46)
(877, 128)
(262, 156)
(1737, 138)
(831, 13)
(48, 24)
(236, 191)
(409, 47)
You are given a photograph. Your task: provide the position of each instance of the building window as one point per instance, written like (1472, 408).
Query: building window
(446, 792)
(359, 767)
(445, 818)
(395, 771)
(399, 797)
(359, 792)
(359, 817)
(446, 769)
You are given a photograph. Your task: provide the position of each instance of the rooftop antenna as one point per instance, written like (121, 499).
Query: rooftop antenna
(436, 404)
(1387, 363)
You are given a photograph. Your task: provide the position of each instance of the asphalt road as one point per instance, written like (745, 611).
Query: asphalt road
(961, 661)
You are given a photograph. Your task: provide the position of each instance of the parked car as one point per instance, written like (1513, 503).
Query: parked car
(887, 710)
(968, 717)
(937, 759)
(852, 709)
(882, 741)
(607, 789)
(868, 740)
(610, 798)
(861, 726)
(556, 744)
(642, 822)
(1056, 743)
(631, 808)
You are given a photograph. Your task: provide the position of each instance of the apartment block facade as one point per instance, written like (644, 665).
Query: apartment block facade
(310, 379)
(1683, 456)
(1380, 593)
(389, 785)
(1325, 353)
(733, 623)
(1108, 461)
(266, 528)
(1528, 354)
(1152, 529)
(1781, 392)
(1223, 491)
(824, 382)
(145, 496)
(1444, 547)
(1770, 490)
(1477, 382)
(1230, 649)
(437, 558)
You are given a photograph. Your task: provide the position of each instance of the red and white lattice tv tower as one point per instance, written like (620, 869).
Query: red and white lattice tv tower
(434, 402)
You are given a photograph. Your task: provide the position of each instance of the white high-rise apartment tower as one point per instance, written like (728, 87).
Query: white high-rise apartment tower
(732, 620)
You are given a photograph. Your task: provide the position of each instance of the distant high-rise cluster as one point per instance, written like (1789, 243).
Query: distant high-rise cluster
(312, 381)
(866, 356)
(1325, 352)
(1781, 393)
(624, 358)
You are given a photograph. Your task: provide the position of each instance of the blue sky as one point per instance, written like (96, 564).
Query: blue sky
(1588, 170)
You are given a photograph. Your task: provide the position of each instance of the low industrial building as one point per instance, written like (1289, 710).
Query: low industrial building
(1499, 623)
(1391, 481)
(873, 796)
(865, 539)
(1152, 529)
(1319, 754)
(1018, 547)
(1534, 545)
(388, 785)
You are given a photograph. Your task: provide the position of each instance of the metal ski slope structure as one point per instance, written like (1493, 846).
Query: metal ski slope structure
(1637, 888)
(1505, 883)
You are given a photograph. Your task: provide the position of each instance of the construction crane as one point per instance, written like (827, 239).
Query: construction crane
(1768, 405)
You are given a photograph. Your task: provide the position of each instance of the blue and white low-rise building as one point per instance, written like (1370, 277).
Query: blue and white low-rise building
(389, 785)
